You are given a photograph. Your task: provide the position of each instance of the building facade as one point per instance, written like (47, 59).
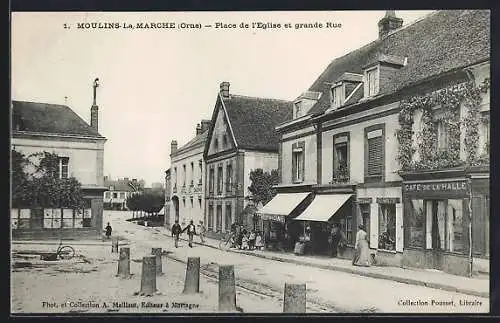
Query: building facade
(39, 127)
(187, 169)
(118, 191)
(394, 136)
(168, 190)
(241, 138)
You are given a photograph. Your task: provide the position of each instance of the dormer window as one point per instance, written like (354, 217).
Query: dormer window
(338, 93)
(372, 81)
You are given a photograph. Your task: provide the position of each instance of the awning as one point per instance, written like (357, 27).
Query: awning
(323, 207)
(281, 205)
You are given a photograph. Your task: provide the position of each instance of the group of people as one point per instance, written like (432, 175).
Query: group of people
(191, 231)
(338, 242)
(246, 240)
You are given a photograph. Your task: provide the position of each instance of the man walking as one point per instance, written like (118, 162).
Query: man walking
(176, 230)
(202, 232)
(191, 231)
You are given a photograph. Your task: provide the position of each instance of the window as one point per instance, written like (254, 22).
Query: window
(447, 225)
(374, 152)
(372, 85)
(297, 111)
(184, 175)
(337, 96)
(122, 195)
(219, 218)
(107, 195)
(387, 227)
(200, 164)
(365, 215)
(224, 141)
(485, 127)
(192, 173)
(199, 202)
(175, 179)
(210, 217)
(216, 144)
(229, 177)
(63, 167)
(298, 161)
(341, 158)
(415, 223)
(115, 195)
(348, 229)
(211, 180)
(219, 180)
(20, 218)
(192, 203)
(184, 201)
(228, 218)
(442, 135)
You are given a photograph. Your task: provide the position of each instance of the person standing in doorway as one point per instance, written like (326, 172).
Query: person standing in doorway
(176, 231)
(202, 231)
(191, 231)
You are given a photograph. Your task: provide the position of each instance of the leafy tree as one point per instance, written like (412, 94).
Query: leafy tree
(150, 202)
(20, 184)
(261, 187)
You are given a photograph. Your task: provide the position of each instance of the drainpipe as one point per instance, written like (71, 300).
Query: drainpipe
(470, 226)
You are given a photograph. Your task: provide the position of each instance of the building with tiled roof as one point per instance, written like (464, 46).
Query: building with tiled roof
(184, 197)
(119, 190)
(394, 136)
(241, 138)
(55, 128)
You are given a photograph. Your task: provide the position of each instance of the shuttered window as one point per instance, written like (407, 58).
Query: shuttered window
(298, 161)
(375, 157)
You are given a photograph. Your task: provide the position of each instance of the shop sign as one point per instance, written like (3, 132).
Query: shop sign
(273, 217)
(448, 186)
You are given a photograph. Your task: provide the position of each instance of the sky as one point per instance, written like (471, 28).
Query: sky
(157, 84)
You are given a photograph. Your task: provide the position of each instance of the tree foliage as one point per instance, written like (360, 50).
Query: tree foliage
(150, 202)
(261, 187)
(36, 183)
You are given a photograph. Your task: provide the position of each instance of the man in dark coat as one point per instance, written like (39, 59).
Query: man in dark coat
(335, 237)
(191, 230)
(176, 230)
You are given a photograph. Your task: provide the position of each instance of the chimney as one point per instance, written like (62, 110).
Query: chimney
(198, 129)
(205, 124)
(173, 146)
(94, 110)
(224, 89)
(389, 23)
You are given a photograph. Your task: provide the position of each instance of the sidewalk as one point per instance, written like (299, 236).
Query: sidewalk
(421, 277)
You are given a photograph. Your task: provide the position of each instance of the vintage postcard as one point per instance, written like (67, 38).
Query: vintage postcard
(324, 162)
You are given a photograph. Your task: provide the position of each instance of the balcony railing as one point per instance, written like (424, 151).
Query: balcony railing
(341, 174)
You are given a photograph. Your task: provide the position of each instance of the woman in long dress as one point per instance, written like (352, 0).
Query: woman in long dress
(362, 254)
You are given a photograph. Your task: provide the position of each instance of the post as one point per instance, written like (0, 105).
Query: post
(124, 263)
(148, 279)
(157, 252)
(469, 206)
(227, 289)
(294, 299)
(114, 245)
(192, 281)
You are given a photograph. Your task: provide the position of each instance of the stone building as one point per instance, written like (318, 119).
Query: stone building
(395, 135)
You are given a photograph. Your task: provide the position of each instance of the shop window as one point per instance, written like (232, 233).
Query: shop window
(416, 223)
(447, 225)
(348, 229)
(219, 180)
(341, 158)
(21, 218)
(374, 152)
(219, 218)
(387, 227)
(298, 162)
(52, 218)
(228, 219)
(210, 217)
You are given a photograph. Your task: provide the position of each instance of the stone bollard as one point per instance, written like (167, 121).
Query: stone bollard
(227, 289)
(148, 279)
(157, 252)
(294, 300)
(114, 245)
(124, 263)
(192, 281)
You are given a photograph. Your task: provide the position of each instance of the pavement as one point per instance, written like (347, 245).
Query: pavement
(421, 277)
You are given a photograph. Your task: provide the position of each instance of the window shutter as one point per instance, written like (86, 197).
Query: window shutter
(294, 166)
(303, 161)
(375, 146)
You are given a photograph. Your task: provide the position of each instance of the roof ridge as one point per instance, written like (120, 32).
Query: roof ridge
(258, 97)
(37, 102)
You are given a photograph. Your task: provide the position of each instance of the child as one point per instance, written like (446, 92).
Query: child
(244, 242)
(258, 242)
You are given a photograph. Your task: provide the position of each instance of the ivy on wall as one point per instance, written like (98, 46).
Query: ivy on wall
(449, 100)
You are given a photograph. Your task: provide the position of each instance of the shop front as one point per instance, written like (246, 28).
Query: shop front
(275, 217)
(437, 214)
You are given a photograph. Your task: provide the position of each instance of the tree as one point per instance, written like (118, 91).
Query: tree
(261, 187)
(150, 202)
(42, 187)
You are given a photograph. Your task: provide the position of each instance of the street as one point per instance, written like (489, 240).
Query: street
(260, 282)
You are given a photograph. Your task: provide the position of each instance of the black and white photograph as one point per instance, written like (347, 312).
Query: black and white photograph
(250, 162)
